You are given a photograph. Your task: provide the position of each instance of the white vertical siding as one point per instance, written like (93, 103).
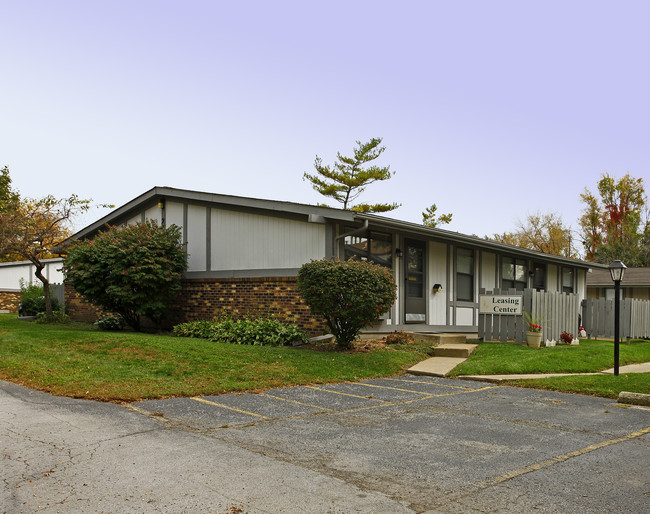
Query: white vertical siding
(134, 220)
(437, 274)
(581, 277)
(464, 316)
(488, 271)
(196, 238)
(12, 273)
(174, 214)
(154, 213)
(551, 278)
(250, 241)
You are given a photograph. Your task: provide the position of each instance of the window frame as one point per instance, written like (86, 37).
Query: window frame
(464, 275)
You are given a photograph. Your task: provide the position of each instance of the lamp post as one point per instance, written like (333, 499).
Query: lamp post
(617, 270)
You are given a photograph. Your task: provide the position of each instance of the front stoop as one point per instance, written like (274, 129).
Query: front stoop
(454, 350)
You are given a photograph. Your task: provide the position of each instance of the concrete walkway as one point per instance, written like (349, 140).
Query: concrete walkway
(448, 356)
(644, 367)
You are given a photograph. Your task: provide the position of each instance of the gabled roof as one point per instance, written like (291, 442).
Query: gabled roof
(317, 214)
(633, 277)
(158, 193)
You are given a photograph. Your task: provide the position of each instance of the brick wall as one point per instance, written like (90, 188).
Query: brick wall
(78, 308)
(278, 296)
(9, 300)
(206, 298)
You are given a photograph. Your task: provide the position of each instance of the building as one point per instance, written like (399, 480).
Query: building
(13, 274)
(635, 284)
(244, 255)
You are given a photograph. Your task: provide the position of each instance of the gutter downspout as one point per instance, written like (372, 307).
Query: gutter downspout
(354, 232)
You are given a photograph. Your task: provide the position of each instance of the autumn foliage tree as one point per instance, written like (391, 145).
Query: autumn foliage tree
(31, 229)
(348, 177)
(545, 233)
(614, 224)
(133, 271)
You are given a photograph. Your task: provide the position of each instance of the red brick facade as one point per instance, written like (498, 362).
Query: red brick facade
(9, 300)
(207, 297)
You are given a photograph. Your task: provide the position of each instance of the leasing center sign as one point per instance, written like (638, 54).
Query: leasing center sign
(500, 304)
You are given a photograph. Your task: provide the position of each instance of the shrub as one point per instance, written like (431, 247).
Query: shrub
(32, 300)
(134, 270)
(110, 322)
(349, 295)
(201, 329)
(56, 318)
(399, 338)
(253, 331)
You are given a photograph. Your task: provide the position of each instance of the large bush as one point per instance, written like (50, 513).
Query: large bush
(349, 295)
(32, 300)
(133, 271)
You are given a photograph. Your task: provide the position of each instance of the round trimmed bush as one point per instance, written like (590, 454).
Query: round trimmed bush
(349, 295)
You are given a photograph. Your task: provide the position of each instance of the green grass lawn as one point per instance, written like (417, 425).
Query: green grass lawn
(607, 386)
(80, 361)
(589, 356)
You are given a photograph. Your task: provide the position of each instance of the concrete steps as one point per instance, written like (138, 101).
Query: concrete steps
(446, 356)
(454, 350)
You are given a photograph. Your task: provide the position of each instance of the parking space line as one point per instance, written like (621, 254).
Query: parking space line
(453, 393)
(230, 408)
(295, 401)
(490, 482)
(392, 388)
(346, 394)
(426, 383)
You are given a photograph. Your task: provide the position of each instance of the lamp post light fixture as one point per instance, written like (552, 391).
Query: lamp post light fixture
(617, 270)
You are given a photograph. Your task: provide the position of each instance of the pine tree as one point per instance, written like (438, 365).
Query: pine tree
(347, 178)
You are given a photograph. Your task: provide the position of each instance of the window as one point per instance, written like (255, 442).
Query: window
(514, 274)
(464, 275)
(372, 246)
(539, 277)
(567, 280)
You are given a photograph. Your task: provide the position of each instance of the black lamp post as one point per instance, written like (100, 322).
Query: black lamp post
(617, 270)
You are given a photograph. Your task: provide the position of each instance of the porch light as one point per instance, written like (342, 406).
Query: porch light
(617, 270)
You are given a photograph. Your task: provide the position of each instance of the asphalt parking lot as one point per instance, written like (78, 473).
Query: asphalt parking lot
(400, 444)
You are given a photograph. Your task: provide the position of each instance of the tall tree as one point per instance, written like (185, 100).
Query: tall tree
(615, 224)
(34, 229)
(431, 219)
(9, 201)
(542, 232)
(31, 228)
(348, 177)
(8, 197)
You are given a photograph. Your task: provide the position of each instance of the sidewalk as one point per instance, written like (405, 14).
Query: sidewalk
(630, 368)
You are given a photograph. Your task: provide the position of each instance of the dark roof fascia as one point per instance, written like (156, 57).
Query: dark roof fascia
(477, 242)
(169, 193)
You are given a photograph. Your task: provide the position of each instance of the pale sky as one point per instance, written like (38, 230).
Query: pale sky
(492, 110)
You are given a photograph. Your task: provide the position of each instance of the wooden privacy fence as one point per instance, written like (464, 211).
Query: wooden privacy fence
(598, 318)
(558, 311)
(58, 291)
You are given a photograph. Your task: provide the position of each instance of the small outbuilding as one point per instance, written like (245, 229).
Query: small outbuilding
(635, 284)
